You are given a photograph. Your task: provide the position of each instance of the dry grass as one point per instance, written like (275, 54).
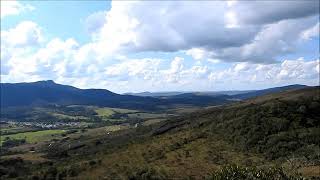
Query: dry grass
(30, 156)
(310, 171)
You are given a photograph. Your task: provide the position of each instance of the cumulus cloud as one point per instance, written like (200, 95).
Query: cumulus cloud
(265, 12)
(210, 31)
(95, 21)
(171, 27)
(47, 62)
(287, 72)
(13, 7)
(243, 75)
(18, 41)
(311, 32)
(197, 53)
(173, 74)
(26, 33)
(273, 40)
(176, 26)
(137, 68)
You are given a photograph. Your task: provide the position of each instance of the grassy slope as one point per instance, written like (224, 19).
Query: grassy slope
(182, 154)
(104, 112)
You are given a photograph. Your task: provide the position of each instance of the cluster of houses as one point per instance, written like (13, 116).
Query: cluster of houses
(44, 125)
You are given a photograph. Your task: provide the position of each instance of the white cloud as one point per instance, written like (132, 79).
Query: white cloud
(146, 69)
(244, 66)
(272, 41)
(19, 41)
(231, 20)
(311, 32)
(172, 26)
(242, 35)
(287, 72)
(214, 61)
(210, 31)
(95, 21)
(298, 69)
(26, 33)
(176, 65)
(197, 53)
(13, 7)
(197, 71)
(152, 70)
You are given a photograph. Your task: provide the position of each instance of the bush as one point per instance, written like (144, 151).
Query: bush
(234, 172)
(147, 173)
(13, 142)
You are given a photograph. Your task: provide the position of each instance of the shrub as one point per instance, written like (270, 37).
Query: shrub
(13, 142)
(148, 173)
(234, 172)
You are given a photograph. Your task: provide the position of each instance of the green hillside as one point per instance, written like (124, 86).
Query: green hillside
(271, 137)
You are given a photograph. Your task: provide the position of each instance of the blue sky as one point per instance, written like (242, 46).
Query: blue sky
(134, 46)
(64, 18)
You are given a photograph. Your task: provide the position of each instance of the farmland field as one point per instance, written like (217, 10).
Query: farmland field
(104, 112)
(32, 137)
(64, 116)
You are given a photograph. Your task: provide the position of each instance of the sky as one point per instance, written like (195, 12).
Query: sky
(136, 46)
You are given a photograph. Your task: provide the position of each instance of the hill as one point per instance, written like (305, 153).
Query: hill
(275, 136)
(256, 93)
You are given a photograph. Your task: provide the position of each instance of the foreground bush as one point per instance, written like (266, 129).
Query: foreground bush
(148, 173)
(234, 172)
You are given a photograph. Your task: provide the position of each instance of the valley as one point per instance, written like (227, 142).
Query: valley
(275, 135)
(160, 90)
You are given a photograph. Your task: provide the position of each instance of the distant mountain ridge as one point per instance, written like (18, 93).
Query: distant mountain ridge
(175, 93)
(48, 92)
(241, 94)
(44, 92)
(155, 94)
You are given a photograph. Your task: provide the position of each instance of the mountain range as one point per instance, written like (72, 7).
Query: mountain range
(48, 92)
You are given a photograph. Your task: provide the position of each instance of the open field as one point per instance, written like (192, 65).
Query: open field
(33, 137)
(107, 111)
(104, 112)
(15, 129)
(120, 110)
(146, 115)
(100, 130)
(152, 121)
(74, 118)
(127, 115)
